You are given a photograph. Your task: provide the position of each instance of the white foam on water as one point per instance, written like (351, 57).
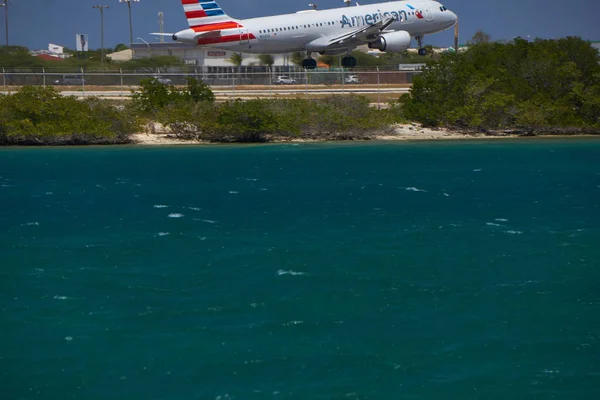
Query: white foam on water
(31, 224)
(68, 338)
(208, 221)
(477, 170)
(49, 193)
(492, 224)
(446, 194)
(233, 192)
(264, 189)
(501, 220)
(175, 215)
(414, 189)
(511, 232)
(194, 208)
(203, 238)
(60, 297)
(162, 234)
(293, 323)
(290, 272)
(160, 206)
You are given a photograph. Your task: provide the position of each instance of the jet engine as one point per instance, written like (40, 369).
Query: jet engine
(392, 42)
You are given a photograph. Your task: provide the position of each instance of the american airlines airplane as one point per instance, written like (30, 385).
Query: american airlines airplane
(388, 27)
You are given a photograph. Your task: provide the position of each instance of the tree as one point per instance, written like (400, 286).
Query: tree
(297, 58)
(121, 47)
(236, 59)
(479, 37)
(522, 84)
(266, 59)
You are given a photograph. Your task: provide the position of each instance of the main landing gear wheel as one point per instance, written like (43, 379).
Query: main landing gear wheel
(422, 50)
(309, 63)
(349, 62)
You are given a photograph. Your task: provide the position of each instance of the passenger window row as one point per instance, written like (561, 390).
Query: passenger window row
(297, 27)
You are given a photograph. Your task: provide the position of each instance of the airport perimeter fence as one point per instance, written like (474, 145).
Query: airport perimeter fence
(126, 81)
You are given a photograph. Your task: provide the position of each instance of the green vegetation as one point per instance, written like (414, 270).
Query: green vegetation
(154, 96)
(529, 86)
(521, 86)
(37, 115)
(261, 120)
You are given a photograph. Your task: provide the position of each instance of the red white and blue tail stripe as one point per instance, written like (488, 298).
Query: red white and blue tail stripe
(206, 15)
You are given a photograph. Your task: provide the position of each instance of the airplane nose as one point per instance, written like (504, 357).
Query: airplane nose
(452, 17)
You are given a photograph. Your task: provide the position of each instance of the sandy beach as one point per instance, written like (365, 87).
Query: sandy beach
(157, 135)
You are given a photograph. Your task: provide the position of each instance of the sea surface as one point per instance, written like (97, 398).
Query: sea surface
(437, 270)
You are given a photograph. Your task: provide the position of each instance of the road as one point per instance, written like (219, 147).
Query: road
(261, 91)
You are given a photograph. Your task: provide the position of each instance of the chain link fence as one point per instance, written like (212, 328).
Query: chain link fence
(125, 81)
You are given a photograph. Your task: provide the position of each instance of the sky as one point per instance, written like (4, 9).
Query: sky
(36, 23)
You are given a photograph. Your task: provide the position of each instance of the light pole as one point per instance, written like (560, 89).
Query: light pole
(5, 5)
(130, 25)
(101, 8)
(147, 44)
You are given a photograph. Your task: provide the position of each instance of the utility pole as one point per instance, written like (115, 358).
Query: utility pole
(161, 23)
(5, 5)
(101, 8)
(130, 24)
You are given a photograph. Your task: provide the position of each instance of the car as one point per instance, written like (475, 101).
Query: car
(70, 80)
(351, 79)
(284, 80)
(163, 80)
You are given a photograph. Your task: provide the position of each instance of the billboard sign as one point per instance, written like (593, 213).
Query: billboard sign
(81, 42)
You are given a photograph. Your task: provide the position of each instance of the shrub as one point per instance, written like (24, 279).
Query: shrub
(154, 96)
(38, 115)
(518, 84)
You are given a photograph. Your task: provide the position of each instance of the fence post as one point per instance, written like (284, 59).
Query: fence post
(82, 82)
(306, 82)
(44, 77)
(121, 87)
(378, 92)
(233, 75)
(270, 69)
(4, 80)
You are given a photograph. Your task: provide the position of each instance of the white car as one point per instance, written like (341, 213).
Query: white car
(284, 80)
(351, 79)
(163, 80)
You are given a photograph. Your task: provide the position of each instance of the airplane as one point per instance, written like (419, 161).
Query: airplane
(388, 27)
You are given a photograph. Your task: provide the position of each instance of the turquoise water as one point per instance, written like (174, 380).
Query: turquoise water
(454, 270)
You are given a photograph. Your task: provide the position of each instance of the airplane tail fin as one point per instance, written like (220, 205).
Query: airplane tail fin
(206, 15)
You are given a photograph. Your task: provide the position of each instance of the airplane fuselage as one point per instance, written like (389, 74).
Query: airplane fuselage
(292, 32)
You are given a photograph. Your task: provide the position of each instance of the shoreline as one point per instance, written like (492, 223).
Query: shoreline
(156, 135)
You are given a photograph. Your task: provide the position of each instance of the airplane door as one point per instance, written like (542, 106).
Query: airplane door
(428, 15)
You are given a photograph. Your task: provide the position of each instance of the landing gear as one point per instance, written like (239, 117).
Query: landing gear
(348, 62)
(422, 50)
(309, 62)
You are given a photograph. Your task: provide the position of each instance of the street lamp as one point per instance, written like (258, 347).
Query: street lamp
(101, 8)
(5, 5)
(130, 25)
(147, 44)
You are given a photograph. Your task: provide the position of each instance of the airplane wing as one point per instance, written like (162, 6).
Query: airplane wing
(361, 35)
